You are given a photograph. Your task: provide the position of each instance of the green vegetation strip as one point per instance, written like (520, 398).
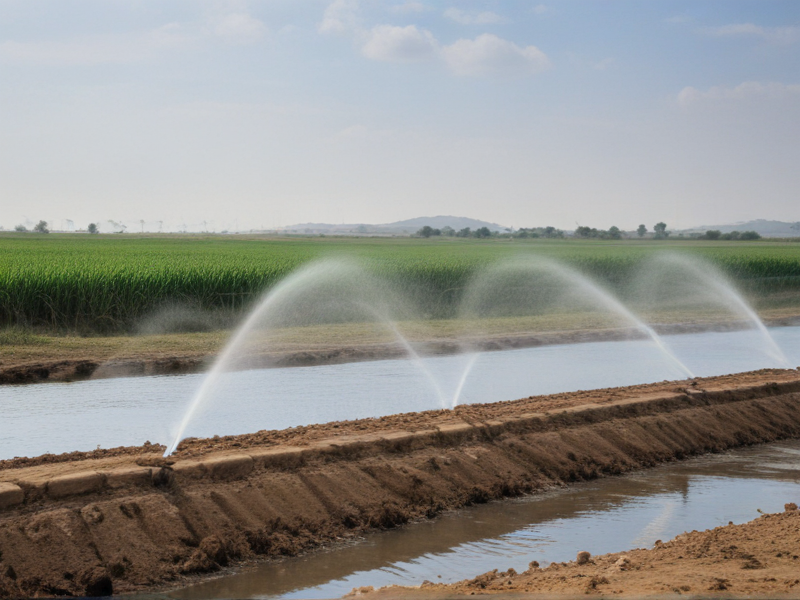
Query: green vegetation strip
(110, 283)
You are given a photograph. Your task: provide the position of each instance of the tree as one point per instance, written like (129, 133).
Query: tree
(20, 228)
(614, 233)
(586, 232)
(466, 232)
(448, 231)
(92, 228)
(713, 234)
(641, 230)
(660, 229)
(750, 235)
(425, 232)
(483, 232)
(41, 227)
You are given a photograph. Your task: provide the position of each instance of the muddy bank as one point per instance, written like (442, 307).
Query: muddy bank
(128, 521)
(757, 559)
(143, 362)
(82, 369)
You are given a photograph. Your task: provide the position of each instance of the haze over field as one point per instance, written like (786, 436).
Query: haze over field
(238, 115)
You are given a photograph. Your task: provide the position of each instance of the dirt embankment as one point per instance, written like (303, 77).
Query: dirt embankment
(758, 559)
(180, 358)
(129, 520)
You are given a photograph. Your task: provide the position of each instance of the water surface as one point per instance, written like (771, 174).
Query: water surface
(61, 417)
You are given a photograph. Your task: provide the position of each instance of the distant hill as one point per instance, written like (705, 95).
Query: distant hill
(408, 226)
(763, 226)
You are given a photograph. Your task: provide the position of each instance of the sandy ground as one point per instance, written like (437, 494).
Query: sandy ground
(759, 559)
(27, 357)
(125, 520)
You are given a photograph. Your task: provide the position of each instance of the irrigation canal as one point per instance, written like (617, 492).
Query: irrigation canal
(607, 515)
(62, 417)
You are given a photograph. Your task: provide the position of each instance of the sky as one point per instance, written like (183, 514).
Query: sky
(236, 115)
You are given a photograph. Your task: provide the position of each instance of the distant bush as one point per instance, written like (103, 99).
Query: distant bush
(428, 231)
(613, 233)
(715, 234)
(536, 232)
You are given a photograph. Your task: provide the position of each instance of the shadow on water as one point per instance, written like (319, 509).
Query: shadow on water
(607, 515)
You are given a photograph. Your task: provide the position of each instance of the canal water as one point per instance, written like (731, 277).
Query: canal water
(62, 417)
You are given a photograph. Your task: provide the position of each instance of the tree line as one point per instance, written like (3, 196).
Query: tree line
(660, 232)
(42, 227)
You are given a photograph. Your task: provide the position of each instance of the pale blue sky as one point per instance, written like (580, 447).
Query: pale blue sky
(271, 113)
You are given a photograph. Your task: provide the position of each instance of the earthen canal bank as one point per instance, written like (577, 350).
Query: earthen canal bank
(127, 520)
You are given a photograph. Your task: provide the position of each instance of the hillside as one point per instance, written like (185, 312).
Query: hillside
(398, 227)
(765, 227)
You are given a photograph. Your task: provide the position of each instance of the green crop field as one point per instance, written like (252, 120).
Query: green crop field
(62, 282)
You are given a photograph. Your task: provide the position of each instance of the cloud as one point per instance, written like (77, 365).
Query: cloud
(604, 64)
(341, 16)
(400, 44)
(689, 96)
(408, 7)
(488, 54)
(239, 28)
(132, 47)
(481, 18)
(782, 36)
(540, 9)
(97, 49)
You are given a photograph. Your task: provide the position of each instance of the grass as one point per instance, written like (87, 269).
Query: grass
(113, 284)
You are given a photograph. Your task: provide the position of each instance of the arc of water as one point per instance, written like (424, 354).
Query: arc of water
(728, 292)
(238, 338)
(273, 297)
(464, 375)
(420, 363)
(592, 289)
(620, 308)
